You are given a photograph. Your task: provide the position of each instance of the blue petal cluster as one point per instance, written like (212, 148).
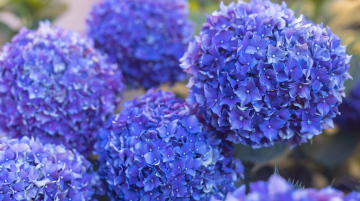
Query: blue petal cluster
(157, 150)
(278, 189)
(54, 84)
(264, 76)
(145, 37)
(30, 170)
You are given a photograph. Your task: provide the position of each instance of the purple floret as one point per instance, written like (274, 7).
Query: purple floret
(145, 37)
(55, 86)
(262, 76)
(30, 170)
(277, 189)
(156, 149)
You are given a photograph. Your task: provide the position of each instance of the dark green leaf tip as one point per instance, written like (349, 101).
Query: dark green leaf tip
(276, 170)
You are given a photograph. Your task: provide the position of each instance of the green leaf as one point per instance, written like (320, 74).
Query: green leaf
(296, 184)
(276, 170)
(5, 33)
(331, 150)
(246, 153)
(50, 12)
(332, 183)
(21, 11)
(32, 11)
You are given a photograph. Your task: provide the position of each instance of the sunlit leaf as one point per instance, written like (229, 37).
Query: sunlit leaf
(194, 6)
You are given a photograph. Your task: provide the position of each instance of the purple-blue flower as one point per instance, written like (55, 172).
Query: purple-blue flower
(54, 85)
(146, 38)
(30, 170)
(167, 157)
(262, 76)
(277, 188)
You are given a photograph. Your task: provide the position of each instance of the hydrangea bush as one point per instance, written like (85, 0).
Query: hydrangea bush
(277, 189)
(30, 170)
(54, 84)
(145, 37)
(259, 76)
(264, 76)
(156, 149)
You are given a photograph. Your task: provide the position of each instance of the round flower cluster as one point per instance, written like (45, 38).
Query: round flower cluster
(278, 189)
(145, 37)
(264, 76)
(30, 170)
(54, 84)
(157, 150)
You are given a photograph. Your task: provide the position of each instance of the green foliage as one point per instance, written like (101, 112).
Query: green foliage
(296, 184)
(5, 32)
(331, 150)
(29, 13)
(276, 170)
(261, 155)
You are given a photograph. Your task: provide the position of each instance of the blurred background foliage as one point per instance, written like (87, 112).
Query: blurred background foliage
(330, 158)
(15, 14)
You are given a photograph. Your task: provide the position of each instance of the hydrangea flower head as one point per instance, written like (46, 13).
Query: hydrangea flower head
(145, 37)
(30, 170)
(156, 149)
(278, 189)
(264, 76)
(54, 84)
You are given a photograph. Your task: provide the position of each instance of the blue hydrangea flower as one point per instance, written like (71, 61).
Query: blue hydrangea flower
(156, 149)
(30, 170)
(54, 84)
(278, 189)
(263, 76)
(145, 37)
